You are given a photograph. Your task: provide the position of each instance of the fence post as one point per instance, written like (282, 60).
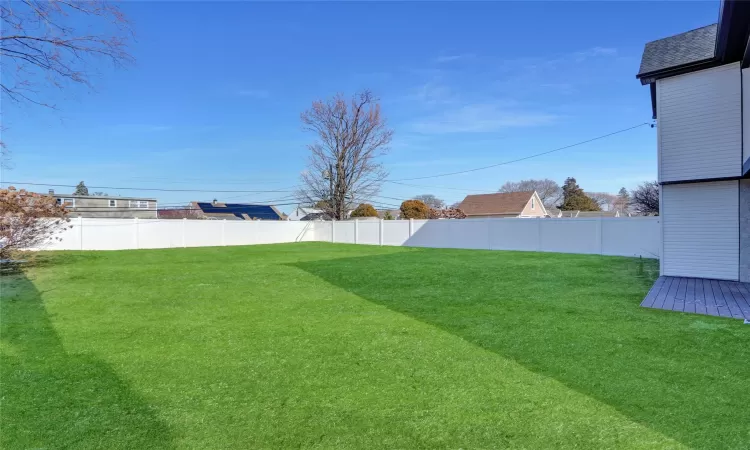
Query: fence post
(223, 232)
(135, 221)
(599, 235)
(411, 227)
(489, 234)
(539, 235)
(333, 231)
(380, 232)
(356, 231)
(80, 232)
(184, 221)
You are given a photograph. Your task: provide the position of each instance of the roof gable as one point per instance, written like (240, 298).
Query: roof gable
(500, 203)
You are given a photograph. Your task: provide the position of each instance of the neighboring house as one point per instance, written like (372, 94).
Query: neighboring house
(700, 95)
(236, 211)
(108, 207)
(510, 204)
(304, 213)
(395, 213)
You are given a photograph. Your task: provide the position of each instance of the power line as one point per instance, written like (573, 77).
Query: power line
(142, 189)
(524, 158)
(436, 187)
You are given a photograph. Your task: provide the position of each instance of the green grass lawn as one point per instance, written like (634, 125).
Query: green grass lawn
(322, 345)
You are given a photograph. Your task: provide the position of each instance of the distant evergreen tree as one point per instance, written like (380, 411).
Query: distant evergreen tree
(81, 189)
(574, 199)
(623, 199)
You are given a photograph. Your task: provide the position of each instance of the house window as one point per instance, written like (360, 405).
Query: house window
(141, 204)
(112, 203)
(532, 202)
(68, 202)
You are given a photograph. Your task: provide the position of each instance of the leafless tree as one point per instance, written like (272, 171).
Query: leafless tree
(548, 190)
(431, 201)
(39, 44)
(605, 200)
(51, 43)
(645, 199)
(343, 167)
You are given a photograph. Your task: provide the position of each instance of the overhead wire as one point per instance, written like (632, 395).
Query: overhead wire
(526, 157)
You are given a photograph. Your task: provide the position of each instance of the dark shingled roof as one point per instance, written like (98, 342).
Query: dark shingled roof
(679, 50)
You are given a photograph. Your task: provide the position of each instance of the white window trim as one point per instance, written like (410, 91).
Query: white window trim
(61, 202)
(112, 203)
(138, 204)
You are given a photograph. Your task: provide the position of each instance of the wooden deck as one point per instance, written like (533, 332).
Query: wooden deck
(700, 296)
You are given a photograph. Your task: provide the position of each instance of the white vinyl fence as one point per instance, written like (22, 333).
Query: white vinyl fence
(624, 236)
(121, 234)
(633, 236)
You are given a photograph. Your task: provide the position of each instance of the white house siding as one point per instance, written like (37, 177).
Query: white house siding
(700, 228)
(746, 114)
(700, 125)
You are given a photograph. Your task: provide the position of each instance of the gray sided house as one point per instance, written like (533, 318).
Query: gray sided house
(105, 207)
(700, 96)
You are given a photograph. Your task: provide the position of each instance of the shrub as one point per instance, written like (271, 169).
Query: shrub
(447, 213)
(414, 209)
(388, 216)
(364, 210)
(28, 220)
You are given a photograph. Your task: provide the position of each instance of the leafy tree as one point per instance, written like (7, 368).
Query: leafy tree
(415, 209)
(20, 224)
(81, 189)
(344, 165)
(645, 199)
(364, 210)
(548, 190)
(431, 201)
(574, 199)
(388, 216)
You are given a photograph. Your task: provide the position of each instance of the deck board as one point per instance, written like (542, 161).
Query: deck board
(700, 296)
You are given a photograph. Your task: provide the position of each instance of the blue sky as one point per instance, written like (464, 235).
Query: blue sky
(214, 98)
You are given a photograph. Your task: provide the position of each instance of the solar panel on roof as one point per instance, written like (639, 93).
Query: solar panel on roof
(241, 210)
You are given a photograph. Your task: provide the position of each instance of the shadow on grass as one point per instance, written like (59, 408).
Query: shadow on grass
(574, 318)
(52, 399)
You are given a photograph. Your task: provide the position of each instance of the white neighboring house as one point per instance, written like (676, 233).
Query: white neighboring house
(700, 96)
(304, 213)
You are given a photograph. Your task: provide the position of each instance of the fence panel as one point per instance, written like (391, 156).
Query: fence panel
(344, 232)
(368, 232)
(395, 232)
(514, 234)
(570, 235)
(158, 234)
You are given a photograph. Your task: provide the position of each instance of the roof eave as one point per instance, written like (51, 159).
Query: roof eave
(651, 77)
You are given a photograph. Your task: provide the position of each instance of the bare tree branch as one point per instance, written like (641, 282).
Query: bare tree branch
(343, 167)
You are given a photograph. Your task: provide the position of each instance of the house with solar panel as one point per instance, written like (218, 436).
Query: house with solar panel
(236, 211)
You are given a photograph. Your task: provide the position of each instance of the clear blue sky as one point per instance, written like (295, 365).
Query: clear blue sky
(214, 99)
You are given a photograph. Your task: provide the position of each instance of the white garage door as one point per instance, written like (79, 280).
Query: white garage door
(701, 227)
